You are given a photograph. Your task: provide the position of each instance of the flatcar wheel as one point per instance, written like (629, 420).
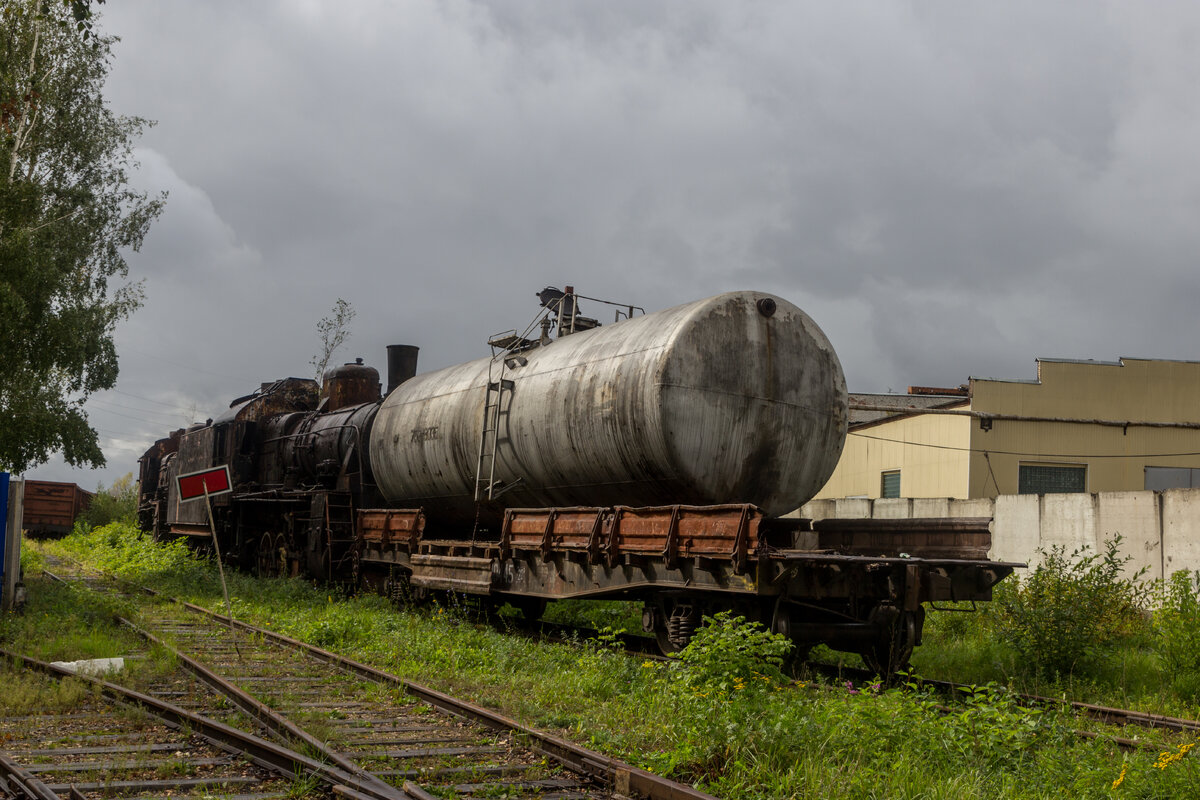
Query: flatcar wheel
(531, 608)
(665, 645)
(891, 652)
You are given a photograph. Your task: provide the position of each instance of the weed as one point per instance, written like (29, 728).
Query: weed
(1068, 613)
(306, 785)
(727, 654)
(1177, 624)
(688, 717)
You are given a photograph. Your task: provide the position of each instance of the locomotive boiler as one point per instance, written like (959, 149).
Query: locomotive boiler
(654, 458)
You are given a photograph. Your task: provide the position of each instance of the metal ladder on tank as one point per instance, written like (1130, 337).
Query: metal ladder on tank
(489, 437)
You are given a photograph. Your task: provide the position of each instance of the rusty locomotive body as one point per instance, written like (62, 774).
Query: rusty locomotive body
(653, 459)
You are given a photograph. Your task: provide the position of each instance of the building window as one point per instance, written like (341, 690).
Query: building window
(889, 483)
(1051, 478)
(1159, 478)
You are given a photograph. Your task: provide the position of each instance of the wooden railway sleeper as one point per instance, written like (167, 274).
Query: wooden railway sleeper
(282, 727)
(269, 755)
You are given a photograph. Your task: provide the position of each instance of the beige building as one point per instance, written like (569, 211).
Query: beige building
(1080, 426)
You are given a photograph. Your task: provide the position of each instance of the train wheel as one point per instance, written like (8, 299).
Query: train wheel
(900, 631)
(266, 557)
(531, 608)
(673, 624)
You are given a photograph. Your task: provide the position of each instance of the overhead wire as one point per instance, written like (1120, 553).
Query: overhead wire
(1039, 454)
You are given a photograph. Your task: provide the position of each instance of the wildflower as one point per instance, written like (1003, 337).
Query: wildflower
(1166, 758)
(648, 665)
(850, 687)
(1121, 778)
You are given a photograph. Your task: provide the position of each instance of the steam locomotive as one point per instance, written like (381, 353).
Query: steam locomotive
(654, 458)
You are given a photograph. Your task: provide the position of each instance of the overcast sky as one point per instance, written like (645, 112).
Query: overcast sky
(949, 189)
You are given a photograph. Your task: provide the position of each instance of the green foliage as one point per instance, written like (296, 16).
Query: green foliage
(727, 654)
(124, 550)
(992, 724)
(1066, 616)
(765, 741)
(117, 503)
(67, 216)
(1177, 625)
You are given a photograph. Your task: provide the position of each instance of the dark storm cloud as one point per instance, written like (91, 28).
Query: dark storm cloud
(948, 189)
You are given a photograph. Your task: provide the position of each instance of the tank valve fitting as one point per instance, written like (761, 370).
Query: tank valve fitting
(766, 307)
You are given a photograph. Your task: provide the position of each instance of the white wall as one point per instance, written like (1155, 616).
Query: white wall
(1160, 531)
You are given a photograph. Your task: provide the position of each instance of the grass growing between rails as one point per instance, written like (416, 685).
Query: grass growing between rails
(722, 715)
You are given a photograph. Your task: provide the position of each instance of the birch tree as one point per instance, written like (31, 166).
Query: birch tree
(68, 216)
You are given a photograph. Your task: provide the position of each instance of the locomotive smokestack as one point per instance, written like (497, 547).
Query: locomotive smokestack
(402, 364)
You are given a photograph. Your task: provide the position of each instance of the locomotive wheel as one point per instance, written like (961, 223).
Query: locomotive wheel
(266, 557)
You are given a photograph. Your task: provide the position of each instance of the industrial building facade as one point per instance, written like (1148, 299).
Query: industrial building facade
(1080, 426)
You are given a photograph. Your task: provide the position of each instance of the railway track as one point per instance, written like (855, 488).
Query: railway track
(379, 736)
(109, 739)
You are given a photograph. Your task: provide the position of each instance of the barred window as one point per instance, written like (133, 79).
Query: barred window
(889, 483)
(1051, 478)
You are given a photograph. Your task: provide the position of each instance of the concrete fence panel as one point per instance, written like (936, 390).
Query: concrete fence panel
(1069, 521)
(1180, 530)
(852, 508)
(1134, 516)
(892, 508)
(1016, 528)
(933, 507)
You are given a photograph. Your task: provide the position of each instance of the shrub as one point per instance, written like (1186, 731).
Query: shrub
(728, 653)
(117, 503)
(1066, 616)
(1177, 629)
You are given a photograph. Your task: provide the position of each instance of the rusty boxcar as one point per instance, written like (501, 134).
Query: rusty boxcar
(654, 458)
(50, 507)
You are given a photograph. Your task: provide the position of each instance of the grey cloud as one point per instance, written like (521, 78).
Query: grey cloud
(948, 189)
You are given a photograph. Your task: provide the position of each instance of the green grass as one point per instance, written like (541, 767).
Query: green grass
(748, 738)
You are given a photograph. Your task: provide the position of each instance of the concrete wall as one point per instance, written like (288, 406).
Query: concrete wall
(1160, 531)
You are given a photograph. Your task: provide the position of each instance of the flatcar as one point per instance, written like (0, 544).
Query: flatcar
(656, 458)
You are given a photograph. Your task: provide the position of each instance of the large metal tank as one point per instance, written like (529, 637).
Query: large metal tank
(735, 399)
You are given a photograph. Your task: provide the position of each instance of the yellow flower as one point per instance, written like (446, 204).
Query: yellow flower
(1121, 778)
(1166, 758)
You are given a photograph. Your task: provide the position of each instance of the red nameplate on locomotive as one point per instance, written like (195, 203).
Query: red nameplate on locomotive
(192, 485)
